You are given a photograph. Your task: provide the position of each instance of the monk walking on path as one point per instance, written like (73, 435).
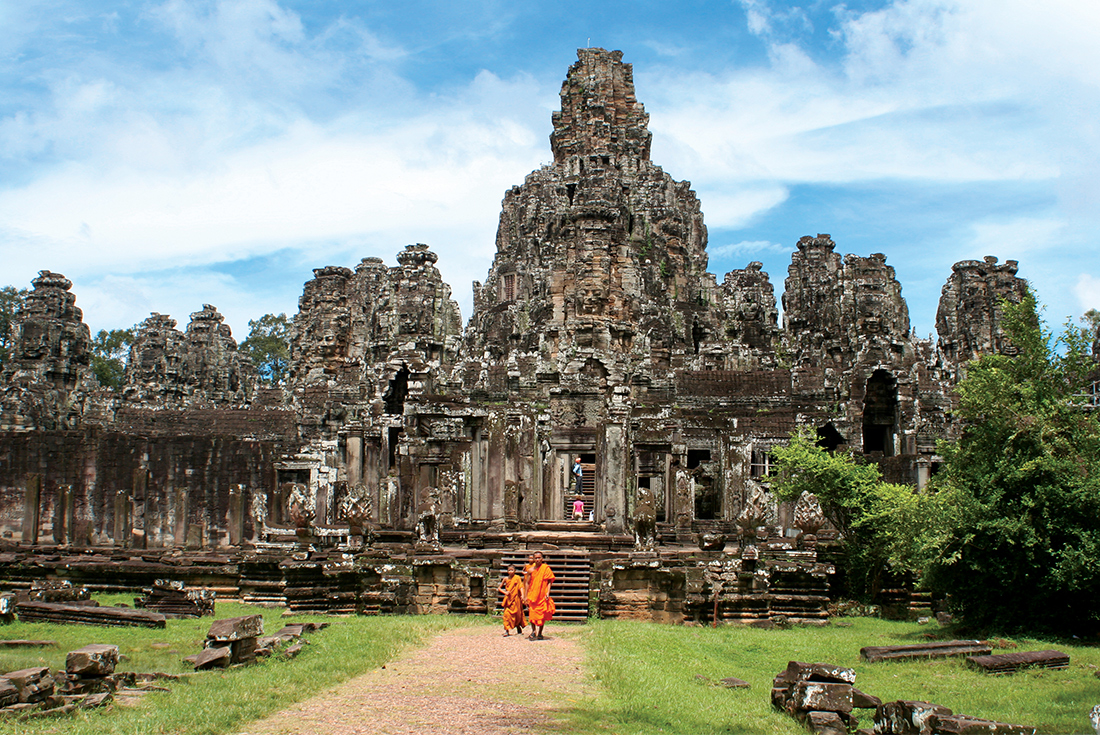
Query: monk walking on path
(540, 605)
(512, 589)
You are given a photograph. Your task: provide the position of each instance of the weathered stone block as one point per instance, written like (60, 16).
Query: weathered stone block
(826, 723)
(824, 696)
(99, 699)
(9, 693)
(33, 685)
(904, 717)
(211, 658)
(963, 725)
(97, 659)
(244, 650)
(235, 629)
(861, 700)
(799, 671)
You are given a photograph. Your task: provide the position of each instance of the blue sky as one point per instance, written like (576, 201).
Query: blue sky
(166, 154)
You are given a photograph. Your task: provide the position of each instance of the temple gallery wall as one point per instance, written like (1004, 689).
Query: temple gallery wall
(405, 434)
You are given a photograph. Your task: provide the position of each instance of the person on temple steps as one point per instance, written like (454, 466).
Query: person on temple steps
(578, 473)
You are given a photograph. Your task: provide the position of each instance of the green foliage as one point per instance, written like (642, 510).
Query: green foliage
(1019, 542)
(874, 518)
(11, 299)
(268, 345)
(1091, 319)
(109, 352)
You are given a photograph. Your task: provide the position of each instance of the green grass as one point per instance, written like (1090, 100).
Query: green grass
(215, 702)
(647, 677)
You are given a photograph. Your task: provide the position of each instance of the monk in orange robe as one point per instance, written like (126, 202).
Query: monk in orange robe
(540, 605)
(512, 589)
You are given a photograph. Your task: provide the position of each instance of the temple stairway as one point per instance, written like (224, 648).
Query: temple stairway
(572, 576)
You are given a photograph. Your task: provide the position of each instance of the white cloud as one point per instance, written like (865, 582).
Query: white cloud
(736, 208)
(928, 90)
(171, 170)
(746, 248)
(1015, 238)
(1087, 291)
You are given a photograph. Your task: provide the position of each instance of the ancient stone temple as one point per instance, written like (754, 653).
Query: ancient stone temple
(410, 455)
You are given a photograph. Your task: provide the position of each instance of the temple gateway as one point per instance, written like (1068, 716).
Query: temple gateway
(410, 455)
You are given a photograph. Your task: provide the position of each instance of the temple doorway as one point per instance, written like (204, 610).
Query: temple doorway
(588, 487)
(880, 414)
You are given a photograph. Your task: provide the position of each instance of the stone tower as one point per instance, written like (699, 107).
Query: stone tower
(968, 320)
(601, 257)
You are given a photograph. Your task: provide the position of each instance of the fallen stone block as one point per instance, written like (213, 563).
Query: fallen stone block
(292, 651)
(50, 590)
(9, 693)
(100, 699)
(290, 631)
(44, 711)
(211, 658)
(173, 598)
(1007, 663)
(904, 717)
(243, 651)
(19, 643)
(860, 700)
(34, 685)
(97, 659)
(825, 723)
(48, 612)
(820, 696)
(731, 682)
(939, 649)
(963, 725)
(799, 671)
(234, 629)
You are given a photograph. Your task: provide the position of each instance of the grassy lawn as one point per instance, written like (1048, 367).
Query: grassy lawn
(209, 703)
(647, 675)
(649, 678)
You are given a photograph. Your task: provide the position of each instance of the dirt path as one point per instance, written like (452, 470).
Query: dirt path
(470, 681)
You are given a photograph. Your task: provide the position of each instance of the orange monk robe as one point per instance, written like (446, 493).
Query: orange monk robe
(540, 605)
(513, 603)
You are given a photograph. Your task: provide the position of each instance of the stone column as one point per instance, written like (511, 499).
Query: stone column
(235, 516)
(63, 515)
(179, 531)
(924, 472)
(122, 527)
(371, 469)
(355, 460)
(611, 487)
(32, 496)
(138, 530)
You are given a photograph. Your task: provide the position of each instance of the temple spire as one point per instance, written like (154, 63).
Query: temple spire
(599, 113)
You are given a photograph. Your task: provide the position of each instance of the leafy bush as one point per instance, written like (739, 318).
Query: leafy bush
(1019, 493)
(873, 517)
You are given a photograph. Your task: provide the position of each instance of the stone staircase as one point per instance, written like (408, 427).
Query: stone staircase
(588, 493)
(572, 576)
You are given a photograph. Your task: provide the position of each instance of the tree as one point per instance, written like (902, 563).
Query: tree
(268, 345)
(11, 300)
(109, 352)
(1019, 543)
(873, 517)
